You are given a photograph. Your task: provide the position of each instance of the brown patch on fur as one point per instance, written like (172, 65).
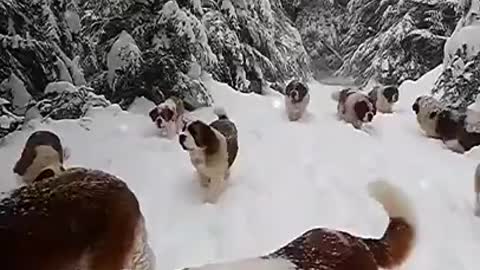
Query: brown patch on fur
(154, 113)
(395, 245)
(204, 137)
(228, 129)
(361, 109)
(81, 217)
(338, 250)
(167, 114)
(37, 138)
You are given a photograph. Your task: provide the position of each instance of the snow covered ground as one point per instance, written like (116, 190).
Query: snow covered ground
(288, 178)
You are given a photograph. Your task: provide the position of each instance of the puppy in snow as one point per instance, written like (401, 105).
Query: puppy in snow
(80, 219)
(384, 97)
(354, 107)
(42, 157)
(427, 109)
(328, 249)
(297, 97)
(168, 116)
(213, 149)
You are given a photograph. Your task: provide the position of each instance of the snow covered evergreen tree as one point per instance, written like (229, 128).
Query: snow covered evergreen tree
(459, 84)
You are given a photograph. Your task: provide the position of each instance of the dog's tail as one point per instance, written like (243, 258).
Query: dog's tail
(220, 112)
(398, 240)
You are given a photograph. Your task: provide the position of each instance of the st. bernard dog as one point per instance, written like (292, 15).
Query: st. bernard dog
(80, 219)
(327, 249)
(460, 131)
(168, 116)
(42, 157)
(354, 107)
(297, 97)
(213, 149)
(384, 97)
(427, 109)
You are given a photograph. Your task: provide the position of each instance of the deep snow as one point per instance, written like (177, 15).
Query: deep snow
(288, 178)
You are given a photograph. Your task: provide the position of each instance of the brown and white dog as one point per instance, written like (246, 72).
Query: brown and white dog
(384, 97)
(354, 107)
(42, 157)
(297, 97)
(80, 219)
(168, 116)
(327, 249)
(213, 149)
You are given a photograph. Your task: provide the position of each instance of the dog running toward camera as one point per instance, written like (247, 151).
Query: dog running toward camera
(80, 219)
(354, 107)
(168, 116)
(213, 149)
(297, 97)
(384, 97)
(42, 157)
(327, 249)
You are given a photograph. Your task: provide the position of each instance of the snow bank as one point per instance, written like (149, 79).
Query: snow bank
(288, 178)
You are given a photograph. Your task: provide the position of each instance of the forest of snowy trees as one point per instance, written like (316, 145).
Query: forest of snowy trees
(60, 58)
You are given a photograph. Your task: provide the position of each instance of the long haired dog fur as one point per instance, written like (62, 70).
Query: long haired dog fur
(384, 97)
(168, 116)
(213, 149)
(80, 219)
(42, 157)
(297, 97)
(327, 249)
(427, 109)
(354, 107)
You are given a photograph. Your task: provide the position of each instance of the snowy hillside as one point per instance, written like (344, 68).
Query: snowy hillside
(288, 177)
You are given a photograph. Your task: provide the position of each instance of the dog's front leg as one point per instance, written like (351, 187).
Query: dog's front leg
(215, 189)
(204, 180)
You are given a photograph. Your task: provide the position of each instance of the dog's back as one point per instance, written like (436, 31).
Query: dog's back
(229, 130)
(82, 218)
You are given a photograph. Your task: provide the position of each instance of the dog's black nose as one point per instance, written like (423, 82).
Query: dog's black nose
(415, 108)
(370, 116)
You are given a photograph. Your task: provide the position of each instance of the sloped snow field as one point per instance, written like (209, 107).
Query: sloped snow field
(288, 178)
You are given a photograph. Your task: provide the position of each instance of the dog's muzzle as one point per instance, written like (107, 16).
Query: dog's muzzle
(415, 108)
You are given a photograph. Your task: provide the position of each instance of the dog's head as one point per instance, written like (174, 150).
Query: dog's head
(296, 91)
(42, 149)
(391, 94)
(197, 135)
(426, 105)
(365, 110)
(166, 115)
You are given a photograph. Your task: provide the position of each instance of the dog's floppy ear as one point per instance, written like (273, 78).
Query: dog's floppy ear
(44, 175)
(415, 107)
(154, 114)
(432, 115)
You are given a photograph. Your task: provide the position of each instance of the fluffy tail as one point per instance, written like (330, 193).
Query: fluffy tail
(335, 95)
(220, 113)
(399, 238)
